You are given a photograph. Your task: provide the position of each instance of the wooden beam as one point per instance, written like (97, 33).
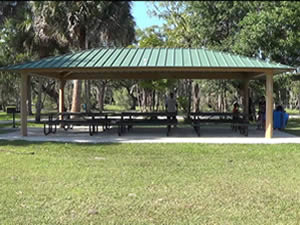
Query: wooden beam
(269, 105)
(67, 74)
(257, 75)
(48, 75)
(152, 69)
(155, 75)
(24, 111)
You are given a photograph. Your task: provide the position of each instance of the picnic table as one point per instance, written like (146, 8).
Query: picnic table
(238, 121)
(69, 119)
(130, 119)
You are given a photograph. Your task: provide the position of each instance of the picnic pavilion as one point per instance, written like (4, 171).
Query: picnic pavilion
(150, 63)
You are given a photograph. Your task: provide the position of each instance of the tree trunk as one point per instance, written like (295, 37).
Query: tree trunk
(299, 102)
(144, 100)
(153, 99)
(101, 95)
(77, 83)
(39, 101)
(224, 101)
(139, 101)
(219, 102)
(133, 98)
(157, 102)
(196, 97)
(42, 54)
(76, 96)
(102, 98)
(29, 96)
(87, 86)
(50, 90)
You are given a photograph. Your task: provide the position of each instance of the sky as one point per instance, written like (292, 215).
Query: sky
(142, 18)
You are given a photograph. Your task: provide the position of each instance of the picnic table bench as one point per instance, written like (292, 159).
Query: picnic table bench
(130, 119)
(238, 121)
(68, 119)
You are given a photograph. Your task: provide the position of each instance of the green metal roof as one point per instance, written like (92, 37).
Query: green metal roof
(146, 58)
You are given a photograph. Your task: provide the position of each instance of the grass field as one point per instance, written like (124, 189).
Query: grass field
(293, 111)
(293, 127)
(58, 183)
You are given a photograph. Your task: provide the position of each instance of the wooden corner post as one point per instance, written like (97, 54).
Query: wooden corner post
(61, 102)
(269, 105)
(24, 111)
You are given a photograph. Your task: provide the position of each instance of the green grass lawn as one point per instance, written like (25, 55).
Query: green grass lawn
(293, 111)
(58, 183)
(18, 124)
(8, 116)
(293, 127)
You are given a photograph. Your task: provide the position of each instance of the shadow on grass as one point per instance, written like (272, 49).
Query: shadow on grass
(22, 143)
(7, 131)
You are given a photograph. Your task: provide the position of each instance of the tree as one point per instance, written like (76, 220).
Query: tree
(266, 30)
(271, 31)
(112, 25)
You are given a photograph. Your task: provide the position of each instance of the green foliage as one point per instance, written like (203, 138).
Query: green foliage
(161, 85)
(265, 30)
(31, 30)
(149, 37)
(293, 125)
(272, 33)
(183, 103)
(122, 98)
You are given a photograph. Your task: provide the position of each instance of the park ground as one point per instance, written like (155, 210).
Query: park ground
(69, 183)
(65, 183)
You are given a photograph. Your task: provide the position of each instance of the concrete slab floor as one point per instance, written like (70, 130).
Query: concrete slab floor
(215, 135)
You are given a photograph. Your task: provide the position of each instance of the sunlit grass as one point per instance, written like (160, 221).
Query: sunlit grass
(9, 116)
(47, 183)
(293, 127)
(293, 111)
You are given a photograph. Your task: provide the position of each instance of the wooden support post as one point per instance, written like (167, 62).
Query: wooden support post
(269, 105)
(24, 111)
(61, 102)
(61, 95)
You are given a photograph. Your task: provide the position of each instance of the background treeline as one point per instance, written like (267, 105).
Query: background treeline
(34, 30)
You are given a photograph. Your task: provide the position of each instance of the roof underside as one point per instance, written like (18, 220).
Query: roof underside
(149, 63)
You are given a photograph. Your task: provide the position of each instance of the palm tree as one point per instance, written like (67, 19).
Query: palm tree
(87, 24)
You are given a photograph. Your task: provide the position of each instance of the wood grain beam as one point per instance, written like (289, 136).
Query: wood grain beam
(24, 111)
(162, 75)
(269, 105)
(149, 69)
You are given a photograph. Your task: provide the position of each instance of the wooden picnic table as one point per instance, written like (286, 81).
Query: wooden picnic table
(130, 119)
(69, 119)
(238, 121)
